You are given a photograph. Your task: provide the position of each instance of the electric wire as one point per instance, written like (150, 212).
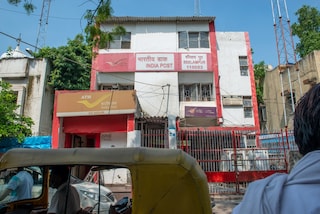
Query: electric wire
(151, 92)
(88, 66)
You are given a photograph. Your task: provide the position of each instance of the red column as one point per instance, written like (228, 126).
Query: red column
(215, 68)
(55, 124)
(130, 122)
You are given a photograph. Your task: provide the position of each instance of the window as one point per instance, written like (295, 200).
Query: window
(247, 107)
(243, 61)
(193, 39)
(121, 41)
(206, 92)
(196, 92)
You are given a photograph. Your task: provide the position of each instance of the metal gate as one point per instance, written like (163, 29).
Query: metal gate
(154, 138)
(230, 159)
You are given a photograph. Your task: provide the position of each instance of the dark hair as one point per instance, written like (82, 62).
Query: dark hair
(307, 121)
(61, 171)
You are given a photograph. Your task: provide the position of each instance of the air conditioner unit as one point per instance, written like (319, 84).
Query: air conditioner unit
(232, 101)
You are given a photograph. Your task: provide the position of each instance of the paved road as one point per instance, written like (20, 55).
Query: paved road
(225, 204)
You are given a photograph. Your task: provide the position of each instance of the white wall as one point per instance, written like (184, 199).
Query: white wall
(153, 95)
(156, 37)
(113, 139)
(234, 116)
(134, 138)
(230, 46)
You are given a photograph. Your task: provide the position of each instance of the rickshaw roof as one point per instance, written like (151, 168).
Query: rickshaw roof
(163, 180)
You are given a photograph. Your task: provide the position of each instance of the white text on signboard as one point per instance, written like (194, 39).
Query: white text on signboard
(152, 62)
(194, 62)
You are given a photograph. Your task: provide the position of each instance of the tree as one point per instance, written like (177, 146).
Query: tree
(12, 124)
(94, 35)
(259, 74)
(307, 29)
(27, 4)
(71, 64)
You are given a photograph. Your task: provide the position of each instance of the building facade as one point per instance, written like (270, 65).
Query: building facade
(28, 78)
(185, 75)
(283, 89)
(181, 66)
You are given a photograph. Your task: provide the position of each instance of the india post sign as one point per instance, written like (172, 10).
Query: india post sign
(194, 62)
(84, 103)
(154, 62)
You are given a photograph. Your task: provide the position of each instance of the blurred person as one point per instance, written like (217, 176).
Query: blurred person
(19, 186)
(298, 191)
(59, 178)
(66, 199)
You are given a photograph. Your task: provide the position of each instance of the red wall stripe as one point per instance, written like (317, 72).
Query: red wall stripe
(215, 68)
(55, 124)
(253, 83)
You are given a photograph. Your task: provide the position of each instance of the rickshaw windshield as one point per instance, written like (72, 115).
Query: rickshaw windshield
(156, 178)
(20, 184)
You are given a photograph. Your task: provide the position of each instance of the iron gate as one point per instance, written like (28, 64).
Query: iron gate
(230, 159)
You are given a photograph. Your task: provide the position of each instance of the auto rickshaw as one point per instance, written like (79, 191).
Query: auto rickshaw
(163, 180)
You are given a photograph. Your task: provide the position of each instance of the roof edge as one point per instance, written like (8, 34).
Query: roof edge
(126, 19)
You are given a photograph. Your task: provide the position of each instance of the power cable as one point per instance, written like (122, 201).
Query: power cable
(161, 101)
(51, 17)
(18, 40)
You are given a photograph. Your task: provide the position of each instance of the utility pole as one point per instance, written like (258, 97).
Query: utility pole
(196, 7)
(41, 37)
(285, 48)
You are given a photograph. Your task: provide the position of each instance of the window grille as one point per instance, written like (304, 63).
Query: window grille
(193, 39)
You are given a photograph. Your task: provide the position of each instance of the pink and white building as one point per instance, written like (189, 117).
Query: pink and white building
(181, 66)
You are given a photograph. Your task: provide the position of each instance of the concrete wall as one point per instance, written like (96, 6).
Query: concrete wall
(29, 78)
(278, 108)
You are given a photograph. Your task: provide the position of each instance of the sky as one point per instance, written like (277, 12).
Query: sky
(66, 20)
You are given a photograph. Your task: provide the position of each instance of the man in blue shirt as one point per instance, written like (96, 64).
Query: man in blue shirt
(19, 187)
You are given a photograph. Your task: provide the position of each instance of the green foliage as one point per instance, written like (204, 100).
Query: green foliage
(12, 124)
(28, 6)
(307, 29)
(259, 74)
(95, 35)
(71, 65)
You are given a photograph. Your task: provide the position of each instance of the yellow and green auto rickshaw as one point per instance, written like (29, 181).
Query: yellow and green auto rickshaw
(162, 180)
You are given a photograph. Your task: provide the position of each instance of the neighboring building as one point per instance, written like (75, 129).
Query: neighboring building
(282, 90)
(28, 77)
(186, 76)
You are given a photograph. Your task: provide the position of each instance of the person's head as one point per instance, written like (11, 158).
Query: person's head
(58, 175)
(307, 121)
